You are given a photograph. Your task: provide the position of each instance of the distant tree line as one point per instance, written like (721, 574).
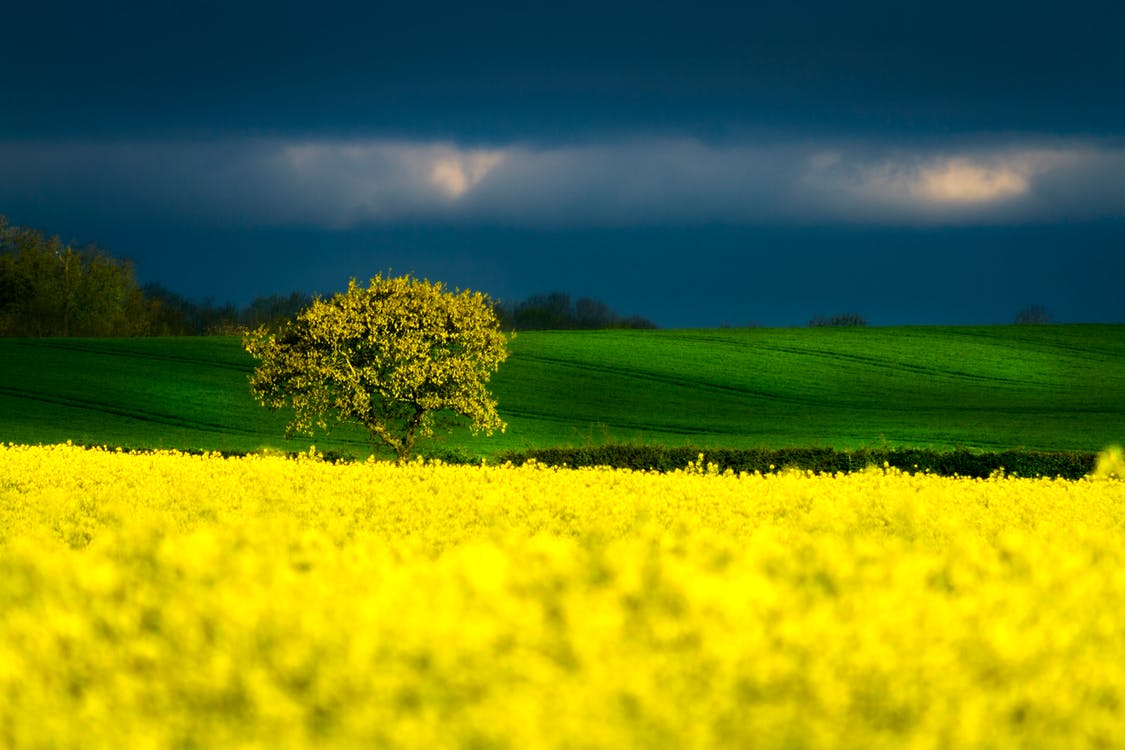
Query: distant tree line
(1033, 315)
(556, 311)
(840, 320)
(177, 315)
(51, 289)
(1029, 316)
(48, 288)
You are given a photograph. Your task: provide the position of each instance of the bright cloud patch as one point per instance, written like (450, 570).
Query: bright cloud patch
(349, 182)
(457, 173)
(937, 181)
(978, 185)
(685, 180)
(382, 180)
(961, 181)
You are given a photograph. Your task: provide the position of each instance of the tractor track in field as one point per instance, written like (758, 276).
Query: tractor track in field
(871, 361)
(749, 347)
(691, 384)
(817, 403)
(129, 353)
(1085, 353)
(883, 364)
(141, 415)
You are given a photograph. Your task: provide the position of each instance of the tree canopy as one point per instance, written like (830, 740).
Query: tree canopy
(48, 288)
(392, 357)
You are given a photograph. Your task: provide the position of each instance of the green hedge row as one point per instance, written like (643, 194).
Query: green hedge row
(961, 462)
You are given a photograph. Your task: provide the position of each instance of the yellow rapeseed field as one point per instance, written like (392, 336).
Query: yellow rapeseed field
(174, 601)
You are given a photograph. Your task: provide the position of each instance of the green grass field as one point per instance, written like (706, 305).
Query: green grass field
(1039, 387)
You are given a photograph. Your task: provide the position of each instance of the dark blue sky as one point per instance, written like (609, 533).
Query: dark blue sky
(697, 164)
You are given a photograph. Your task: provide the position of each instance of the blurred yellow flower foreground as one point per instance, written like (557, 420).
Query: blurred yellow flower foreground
(165, 600)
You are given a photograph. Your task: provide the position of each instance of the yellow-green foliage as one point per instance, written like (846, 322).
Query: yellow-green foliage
(388, 356)
(164, 600)
(1111, 463)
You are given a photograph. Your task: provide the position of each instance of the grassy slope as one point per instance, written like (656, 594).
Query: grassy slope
(1045, 387)
(1051, 387)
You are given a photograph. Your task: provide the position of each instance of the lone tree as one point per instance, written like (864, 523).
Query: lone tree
(840, 320)
(1033, 315)
(391, 356)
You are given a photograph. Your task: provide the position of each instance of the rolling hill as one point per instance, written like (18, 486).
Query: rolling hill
(1039, 387)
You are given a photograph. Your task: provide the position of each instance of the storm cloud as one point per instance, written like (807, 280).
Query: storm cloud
(645, 181)
(692, 163)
